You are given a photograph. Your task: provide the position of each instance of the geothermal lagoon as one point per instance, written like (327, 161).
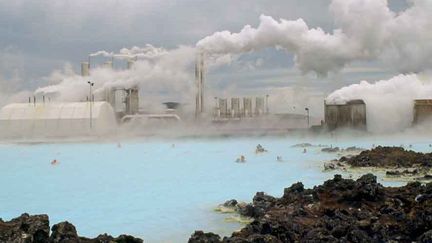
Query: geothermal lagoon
(161, 190)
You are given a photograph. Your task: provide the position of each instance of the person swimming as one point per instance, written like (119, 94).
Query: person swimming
(260, 149)
(54, 162)
(279, 159)
(304, 150)
(242, 159)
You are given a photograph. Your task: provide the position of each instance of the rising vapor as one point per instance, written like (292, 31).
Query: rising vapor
(367, 30)
(389, 103)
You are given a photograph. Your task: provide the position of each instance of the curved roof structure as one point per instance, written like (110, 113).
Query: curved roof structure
(72, 118)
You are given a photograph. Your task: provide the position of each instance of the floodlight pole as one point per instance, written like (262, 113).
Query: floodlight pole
(91, 100)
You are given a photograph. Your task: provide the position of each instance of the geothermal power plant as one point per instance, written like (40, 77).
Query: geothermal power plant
(118, 105)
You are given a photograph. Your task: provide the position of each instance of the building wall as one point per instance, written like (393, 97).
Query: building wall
(349, 115)
(422, 111)
(56, 119)
(358, 116)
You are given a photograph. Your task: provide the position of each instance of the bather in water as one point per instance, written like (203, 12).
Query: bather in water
(260, 149)
(242, 159)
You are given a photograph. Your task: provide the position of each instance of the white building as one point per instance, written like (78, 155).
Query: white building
(56, 119)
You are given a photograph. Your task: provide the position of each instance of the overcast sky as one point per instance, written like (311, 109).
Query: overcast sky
(39, 36)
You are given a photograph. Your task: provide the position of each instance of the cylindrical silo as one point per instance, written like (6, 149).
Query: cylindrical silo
(235, 107)
(85, 69)
(247, 106)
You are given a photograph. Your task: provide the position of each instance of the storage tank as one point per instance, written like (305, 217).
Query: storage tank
(422, 110)
(259, 106)
(351, 114)
(235, 107)
(247, 106)
(223, 106)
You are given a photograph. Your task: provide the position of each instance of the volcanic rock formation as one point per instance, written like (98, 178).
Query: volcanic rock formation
(35, 229)
(340, 210)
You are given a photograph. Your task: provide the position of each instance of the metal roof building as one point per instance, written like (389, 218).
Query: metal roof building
(56, 119)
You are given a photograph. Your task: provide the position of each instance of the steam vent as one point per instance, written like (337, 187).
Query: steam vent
(351, 114)
(422, 110)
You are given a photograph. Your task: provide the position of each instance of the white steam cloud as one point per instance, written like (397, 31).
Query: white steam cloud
(367, 30)
(148, 51)
(168, 73)
(389, 103)
(162, 75)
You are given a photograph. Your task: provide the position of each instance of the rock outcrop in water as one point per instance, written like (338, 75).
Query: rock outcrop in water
(35, 229)
(390, 157)
(340, 210)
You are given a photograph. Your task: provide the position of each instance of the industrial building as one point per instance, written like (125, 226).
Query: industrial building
(422, 110)
(125, 101)
(351, 114)
(233, 109)
(56, 119)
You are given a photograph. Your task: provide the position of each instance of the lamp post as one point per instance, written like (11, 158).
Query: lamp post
(91, 100)
(307, 110)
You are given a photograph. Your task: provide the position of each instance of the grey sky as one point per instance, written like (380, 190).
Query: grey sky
(38, 36)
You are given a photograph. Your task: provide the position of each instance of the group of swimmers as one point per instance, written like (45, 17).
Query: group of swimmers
(260, 149)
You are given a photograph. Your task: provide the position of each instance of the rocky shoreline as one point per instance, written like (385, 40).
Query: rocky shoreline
(36, 229)
(394, 161)
(339, 210)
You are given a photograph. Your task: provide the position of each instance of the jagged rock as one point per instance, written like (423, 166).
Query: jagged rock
(230, 203)
(261, 203)
(426, 237)
(201, 237)
(25, 228)
(64, 232)
(341, 210)
(354, 149)
(390, 157)
(330, 150)
(301, 145)
(245, 209)
(36, 229)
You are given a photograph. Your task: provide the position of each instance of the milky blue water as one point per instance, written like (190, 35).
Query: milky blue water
(153, 189)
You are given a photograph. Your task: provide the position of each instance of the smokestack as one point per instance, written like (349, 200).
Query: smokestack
(85, 69)
(199, 79)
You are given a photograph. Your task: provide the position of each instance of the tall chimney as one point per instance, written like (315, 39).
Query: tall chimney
(85, 69)
(199, 80)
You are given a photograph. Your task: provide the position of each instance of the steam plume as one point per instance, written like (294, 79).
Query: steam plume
(366, 30)
(389, 103)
